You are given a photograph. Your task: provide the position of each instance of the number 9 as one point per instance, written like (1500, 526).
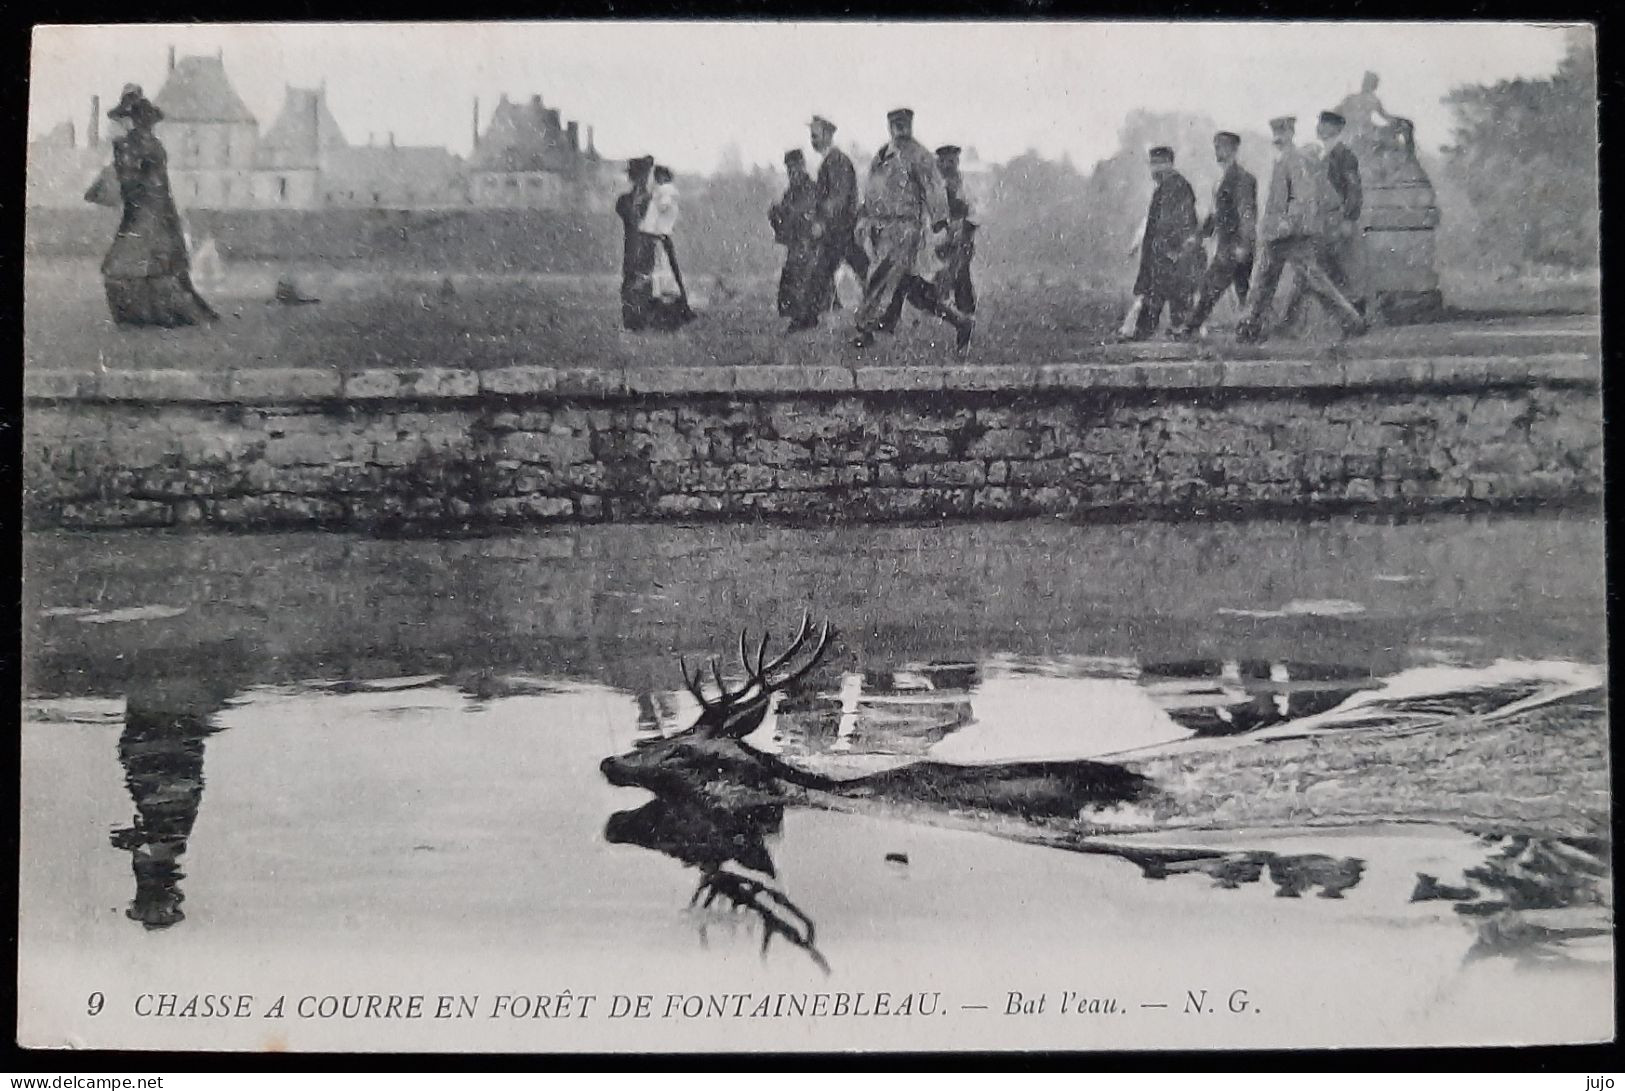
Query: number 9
(94, 1006)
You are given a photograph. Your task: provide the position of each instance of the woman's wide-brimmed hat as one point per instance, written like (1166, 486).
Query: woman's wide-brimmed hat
(134, 106)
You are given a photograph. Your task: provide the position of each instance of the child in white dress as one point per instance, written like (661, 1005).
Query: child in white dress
(659, 220)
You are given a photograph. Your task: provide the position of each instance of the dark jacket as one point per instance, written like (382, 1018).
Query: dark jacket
(637, 251)
(1170, 231)
(792, 214)
(150, 241)
(1343, 168)
(837, 190)
(1234, 219)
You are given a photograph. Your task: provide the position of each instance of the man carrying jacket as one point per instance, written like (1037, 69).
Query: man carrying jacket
(1293, 233)
(904, 197)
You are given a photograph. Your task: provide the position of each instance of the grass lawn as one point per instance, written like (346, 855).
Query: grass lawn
(371, 319)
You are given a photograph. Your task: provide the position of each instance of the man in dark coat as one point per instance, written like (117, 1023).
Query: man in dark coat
(638, 249)
(1344, 242)
(837, 216)
(1233, 226)
(953, 280)
(793, 217)
(1169, 248)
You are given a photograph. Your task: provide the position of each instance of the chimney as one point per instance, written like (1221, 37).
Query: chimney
(536, 101)
(476, 144)
(590, 148)
(93, 135)
(573, 135)
(392, 140)
(172, 58)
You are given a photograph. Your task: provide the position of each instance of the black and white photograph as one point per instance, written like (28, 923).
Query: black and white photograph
(824, 536)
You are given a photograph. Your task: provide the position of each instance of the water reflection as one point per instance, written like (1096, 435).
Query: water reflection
(161, 750)
(162, 755)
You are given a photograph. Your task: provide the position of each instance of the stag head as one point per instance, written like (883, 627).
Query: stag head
(733, 714)
(709, 751)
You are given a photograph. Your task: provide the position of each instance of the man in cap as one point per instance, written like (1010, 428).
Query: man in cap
(1233, 226)
(1343, 246)
(793, 217)
(953, 279)
(1292, 232)
(833, 226)
(904, 196)
(638, 249)
(1169, 250)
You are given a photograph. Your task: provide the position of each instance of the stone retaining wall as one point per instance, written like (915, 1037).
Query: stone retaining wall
(269, 447)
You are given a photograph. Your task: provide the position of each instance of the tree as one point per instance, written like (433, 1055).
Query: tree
(1523, 158)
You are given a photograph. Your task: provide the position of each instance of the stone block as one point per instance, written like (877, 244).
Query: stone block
(51, 384)
(1407, 374)
(162, 386)
(1004, 377)
(519, 381)
(376, 384)
(590, 382)
(898, 379)
(1567, 367)
(793, 379)
(1183, 375)
(1003, 443)
(531, 507)
(545, 448)
(524, 420)
(1088, 377)
(1280, 374)
(1049, 471)
(315, 449)
(284, 385)
(679, 380)
(945, 474)
(275, 509)
(1460, 371)
(118, 512)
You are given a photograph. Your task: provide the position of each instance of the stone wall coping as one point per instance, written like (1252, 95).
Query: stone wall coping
(275, 386)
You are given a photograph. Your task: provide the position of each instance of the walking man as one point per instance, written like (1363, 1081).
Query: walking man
(834, 224)
(953, 279)
(1342, 243)
(1293, 234)
(904, 196)
(793, 217)
(1344, 246)
(1233, 226)
(1168, 251)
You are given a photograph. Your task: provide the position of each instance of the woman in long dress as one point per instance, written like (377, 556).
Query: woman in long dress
(146, 272)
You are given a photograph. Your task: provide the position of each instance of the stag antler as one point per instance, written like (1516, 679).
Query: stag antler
(727, 705)
(780, 916)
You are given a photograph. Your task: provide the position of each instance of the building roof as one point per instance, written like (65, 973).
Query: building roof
(302, 134)
(526, 136)
(197, 90)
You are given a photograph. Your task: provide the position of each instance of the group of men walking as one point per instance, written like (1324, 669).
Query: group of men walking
(1310, 223)
(909, 236)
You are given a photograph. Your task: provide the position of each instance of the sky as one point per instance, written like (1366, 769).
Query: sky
(685, 91)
